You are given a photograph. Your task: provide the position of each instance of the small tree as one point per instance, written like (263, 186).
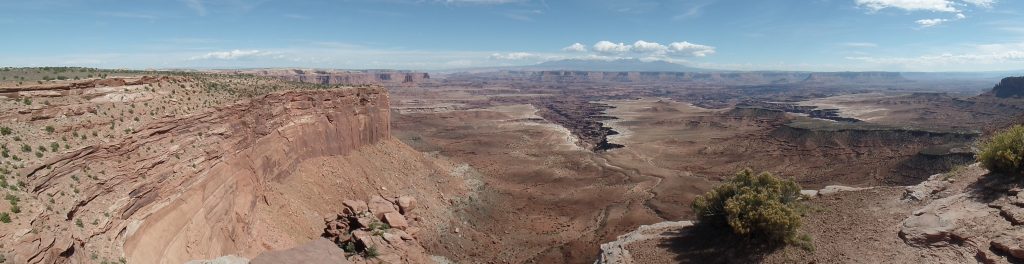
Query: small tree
(760, 207)
(1004, 151)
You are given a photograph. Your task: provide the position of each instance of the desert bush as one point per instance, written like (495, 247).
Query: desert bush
(1004, 151)
(5, 131)
(5, 217)
(371, 252)
(759, 207)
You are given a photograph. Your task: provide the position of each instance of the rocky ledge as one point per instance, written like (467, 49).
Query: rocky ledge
(378, 231)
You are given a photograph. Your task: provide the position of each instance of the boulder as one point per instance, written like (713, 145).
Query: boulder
(396, 220)
(380, 206)
(355, 206)
(406, 204)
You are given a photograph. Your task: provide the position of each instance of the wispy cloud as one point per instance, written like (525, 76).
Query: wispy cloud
(296, 16)
(133, 15)
(481, 2)
(910, 5)
(523, 15)
(974, 58)
(196, 5)
(514, 56)
(931, 22)
(940, 6)
(860, 45)
(230, 55)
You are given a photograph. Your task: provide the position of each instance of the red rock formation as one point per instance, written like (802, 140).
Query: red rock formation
(246, 178)
(332, 77)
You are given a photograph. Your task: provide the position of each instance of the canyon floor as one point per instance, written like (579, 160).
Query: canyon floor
(553, 190)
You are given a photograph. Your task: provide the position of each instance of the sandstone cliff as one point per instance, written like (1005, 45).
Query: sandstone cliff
(246, 178)
(335, 77)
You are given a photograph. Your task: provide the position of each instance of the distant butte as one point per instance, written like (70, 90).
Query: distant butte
(1009, 87)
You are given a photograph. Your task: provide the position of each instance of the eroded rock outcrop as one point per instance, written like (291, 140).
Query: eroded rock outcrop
(378, 232)
(983, 222)
(247, 178)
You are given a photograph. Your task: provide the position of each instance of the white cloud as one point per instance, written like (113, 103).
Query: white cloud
(514, 56)
(981, 3)
(931, 22)
(945, 6)
(654, 49)
(910, 5)
(692, 49)
(646, 47)
(605, 46)
(575, 47)
(230, 55)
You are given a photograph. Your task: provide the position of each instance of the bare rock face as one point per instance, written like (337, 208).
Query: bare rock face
(250, 177)
(983, 222)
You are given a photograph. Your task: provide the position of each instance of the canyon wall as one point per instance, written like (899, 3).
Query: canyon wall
(243, 179)
(332, 77)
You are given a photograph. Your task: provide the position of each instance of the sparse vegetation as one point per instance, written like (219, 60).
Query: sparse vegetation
(5, 217)
(760, 207)
(1004, 151)
(371, 252)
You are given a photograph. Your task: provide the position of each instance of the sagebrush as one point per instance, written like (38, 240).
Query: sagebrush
(1004, 151)
(756, 206)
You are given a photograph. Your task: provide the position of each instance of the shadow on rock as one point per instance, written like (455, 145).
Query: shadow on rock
(993, 186)
(708, 244)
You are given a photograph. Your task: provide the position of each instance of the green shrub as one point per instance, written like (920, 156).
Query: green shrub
(5, 217)
(371, 252)
(5, 131)
(1004, 151)
(760, 207)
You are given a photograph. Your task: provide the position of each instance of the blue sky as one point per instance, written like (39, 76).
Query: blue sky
(834, 35)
